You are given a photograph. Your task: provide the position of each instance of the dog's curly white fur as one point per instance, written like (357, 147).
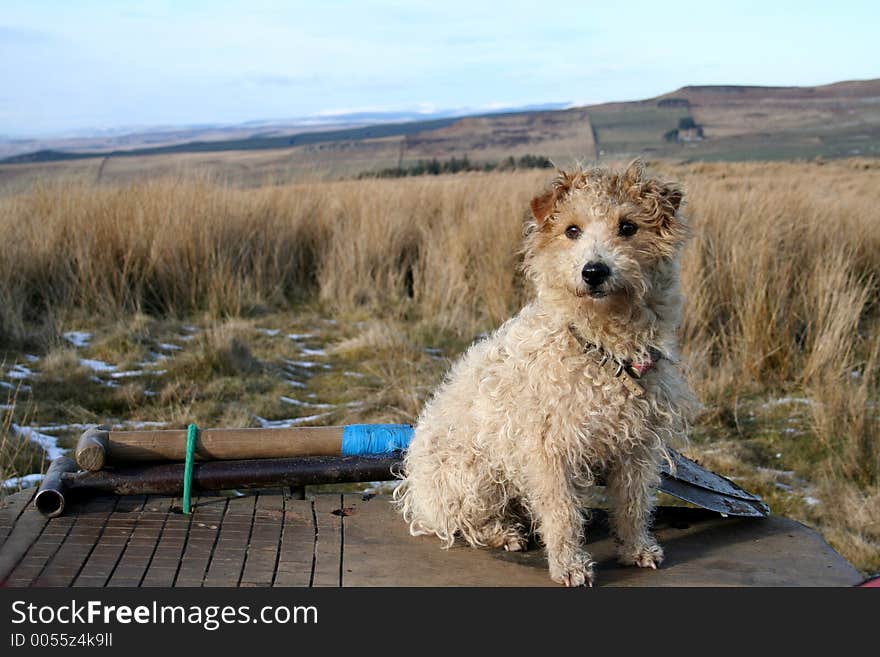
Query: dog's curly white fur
(527, 420)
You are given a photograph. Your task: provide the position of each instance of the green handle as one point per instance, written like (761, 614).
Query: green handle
(192, 433)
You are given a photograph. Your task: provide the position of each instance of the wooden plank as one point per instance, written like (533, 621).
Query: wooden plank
(297, 553)
(201, 537)
(380, 552)
(702, 549)
(328, 541)
(103, 559)
(227, 559)
(145, 535)
(165, 559)
(271, 539)
(89, 520)
(167, 562)
(43, 548)
(265, 541)
(223, 444)
(11, 507)
(28, 526)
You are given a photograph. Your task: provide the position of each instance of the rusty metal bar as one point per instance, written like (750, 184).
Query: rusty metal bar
(50, 495)
(167, 478)
(62, 480)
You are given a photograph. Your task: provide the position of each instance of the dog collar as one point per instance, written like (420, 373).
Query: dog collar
(627, 371)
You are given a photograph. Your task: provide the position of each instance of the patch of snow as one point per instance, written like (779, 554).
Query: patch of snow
(97, 365)
(297, 402)
(189, 328)
(300, 336)
(811, 501)
(78, 339)
(788, 474)
(131, 373)
(49, 444)
(6, 407)
(270, 332)
(301, 363)
(155, 357)
(9, 386)
(306, 364)
(283, 424)
(787, 400)
(128, 374)
(313, 352)
(777, 473)
(140, 425)
(20, 372)
(167, 346)
(354, 375)
(53, 428)
(31, 358)
(102, 382)
(295, 384)
(27, 481)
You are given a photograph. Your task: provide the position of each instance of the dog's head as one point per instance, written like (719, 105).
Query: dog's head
(603, 237)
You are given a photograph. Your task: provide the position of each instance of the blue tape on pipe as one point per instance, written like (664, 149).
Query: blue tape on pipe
(362, 439)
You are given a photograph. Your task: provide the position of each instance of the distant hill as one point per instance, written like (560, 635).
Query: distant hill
(723, 122)
(115, 140)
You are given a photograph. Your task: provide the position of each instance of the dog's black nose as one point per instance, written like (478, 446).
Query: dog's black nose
(595, 273)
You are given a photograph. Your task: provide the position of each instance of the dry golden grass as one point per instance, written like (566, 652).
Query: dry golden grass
(780, 281)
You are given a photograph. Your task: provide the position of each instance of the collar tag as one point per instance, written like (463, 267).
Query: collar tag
(627, 373)
(638, 370)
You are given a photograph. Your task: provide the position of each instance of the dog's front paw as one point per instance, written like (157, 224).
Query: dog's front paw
(645, 556)
(578, 572)
(516, 544)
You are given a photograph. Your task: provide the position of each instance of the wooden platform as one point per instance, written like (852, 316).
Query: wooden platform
(270, 539)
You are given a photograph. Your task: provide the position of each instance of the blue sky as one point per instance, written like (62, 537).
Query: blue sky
(77, 64)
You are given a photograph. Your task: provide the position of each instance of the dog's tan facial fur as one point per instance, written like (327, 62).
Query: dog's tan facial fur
(579, 221)
(525, 419)
(642, 287)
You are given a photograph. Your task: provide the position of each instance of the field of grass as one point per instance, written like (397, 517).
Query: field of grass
(179, 300)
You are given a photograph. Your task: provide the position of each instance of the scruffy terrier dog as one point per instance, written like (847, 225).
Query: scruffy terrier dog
(582, 383)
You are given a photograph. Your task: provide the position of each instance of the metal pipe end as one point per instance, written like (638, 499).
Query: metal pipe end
(49, 502)
(49, 499)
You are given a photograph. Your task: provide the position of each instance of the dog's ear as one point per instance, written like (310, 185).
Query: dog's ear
(543, 206)
(634, 172)
(671, 197)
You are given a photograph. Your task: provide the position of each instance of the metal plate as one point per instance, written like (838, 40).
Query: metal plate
(689, 472)
(707, 499)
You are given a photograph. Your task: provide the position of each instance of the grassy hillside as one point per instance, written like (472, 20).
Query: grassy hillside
(176, 300)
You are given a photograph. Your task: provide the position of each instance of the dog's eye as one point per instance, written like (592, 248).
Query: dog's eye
(572, 232)
(627, 228)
